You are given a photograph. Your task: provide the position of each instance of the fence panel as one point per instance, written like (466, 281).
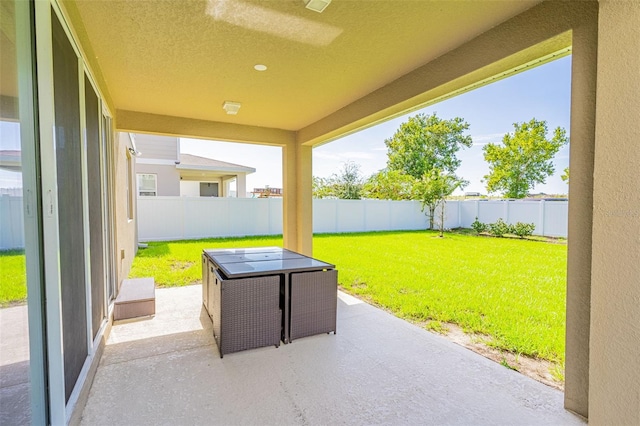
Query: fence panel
(174, 218)
(407, 215)
(11, 222)
(490, 211)
(160, 218)
(377, 215)
(451, 215)
(350, 216)
(468, 212)
(324, 216)
(555, 218)
(525, 212)
(166, 218)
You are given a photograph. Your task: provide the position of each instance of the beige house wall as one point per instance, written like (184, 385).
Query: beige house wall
(614, 379)
(191, 188)
(125, 227)
(167, 178)
(157, 147)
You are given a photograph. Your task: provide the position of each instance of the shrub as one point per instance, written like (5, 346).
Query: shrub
(523, 229)
(479, 226)
(499, 228)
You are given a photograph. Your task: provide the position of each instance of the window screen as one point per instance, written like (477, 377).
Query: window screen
(147, 186)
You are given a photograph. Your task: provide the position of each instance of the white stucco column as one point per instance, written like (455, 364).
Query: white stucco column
(241, 185)
(614, 379)
(583, 110)
(297, 198)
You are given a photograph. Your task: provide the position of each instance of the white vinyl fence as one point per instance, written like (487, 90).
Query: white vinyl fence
(11, 222)
(174, 218)
(177, 218)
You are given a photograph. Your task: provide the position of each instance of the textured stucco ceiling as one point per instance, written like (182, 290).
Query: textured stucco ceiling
(185, 58)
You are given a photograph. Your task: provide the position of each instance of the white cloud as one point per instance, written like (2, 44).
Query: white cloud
(326, 155)
(486, 139)
(343, 156)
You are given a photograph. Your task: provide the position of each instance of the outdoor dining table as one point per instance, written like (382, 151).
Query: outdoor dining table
(260, 296)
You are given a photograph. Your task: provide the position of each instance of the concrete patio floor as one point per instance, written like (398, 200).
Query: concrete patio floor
(377, 369)
(15, 406)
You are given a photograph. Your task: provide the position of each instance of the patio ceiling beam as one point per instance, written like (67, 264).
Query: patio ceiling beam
(9, 108)
(141, 122)
(540, 32)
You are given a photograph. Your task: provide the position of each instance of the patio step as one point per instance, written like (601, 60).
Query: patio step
(137, 298)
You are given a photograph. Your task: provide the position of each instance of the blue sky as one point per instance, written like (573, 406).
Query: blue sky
(543, 92)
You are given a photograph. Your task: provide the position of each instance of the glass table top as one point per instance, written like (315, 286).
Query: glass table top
(236, 263)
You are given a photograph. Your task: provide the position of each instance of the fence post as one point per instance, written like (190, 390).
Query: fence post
(477, 209)
(364, 215)
(506, 210)
(184, 215)
(542, 207)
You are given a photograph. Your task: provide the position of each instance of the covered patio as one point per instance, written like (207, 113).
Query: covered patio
(82, 74)
(377, 369)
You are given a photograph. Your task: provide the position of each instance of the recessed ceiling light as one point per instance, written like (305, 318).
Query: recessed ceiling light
(231, 107)
(260, 67)
(317, 5)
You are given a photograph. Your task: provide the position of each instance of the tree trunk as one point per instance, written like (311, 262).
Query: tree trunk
(432, 212)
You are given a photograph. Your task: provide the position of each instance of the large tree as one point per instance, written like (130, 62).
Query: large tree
(424, 143)
(389, 185)
(524, 158)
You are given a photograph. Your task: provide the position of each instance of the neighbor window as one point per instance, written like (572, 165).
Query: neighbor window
(147, 185)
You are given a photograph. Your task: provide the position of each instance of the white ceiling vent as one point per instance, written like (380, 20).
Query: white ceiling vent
(317, 5)
(231, 107)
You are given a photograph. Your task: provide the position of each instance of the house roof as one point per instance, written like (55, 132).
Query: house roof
(176, 62)
(194, 162)
(11, 160)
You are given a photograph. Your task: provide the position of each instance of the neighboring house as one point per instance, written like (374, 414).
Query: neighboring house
(10, 160)
(161, 170)
(266, 192)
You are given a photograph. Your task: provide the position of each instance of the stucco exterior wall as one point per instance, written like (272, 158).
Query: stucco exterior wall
(583, 111)
(191, 188)
(126, 228)
(157, 147)
(614, 378)
(167, 180)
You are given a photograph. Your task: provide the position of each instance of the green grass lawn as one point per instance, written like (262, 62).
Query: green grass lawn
(510, 290)
(13, 285)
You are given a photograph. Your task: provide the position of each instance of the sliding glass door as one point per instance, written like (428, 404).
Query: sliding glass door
(22, 367)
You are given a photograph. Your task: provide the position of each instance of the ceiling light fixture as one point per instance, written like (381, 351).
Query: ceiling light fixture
(231, 107)
(317, 5)
(260, 67)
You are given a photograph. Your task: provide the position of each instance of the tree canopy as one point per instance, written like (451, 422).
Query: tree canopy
(346, 184)
(389, 185)
(523, 159)
(424, 143)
